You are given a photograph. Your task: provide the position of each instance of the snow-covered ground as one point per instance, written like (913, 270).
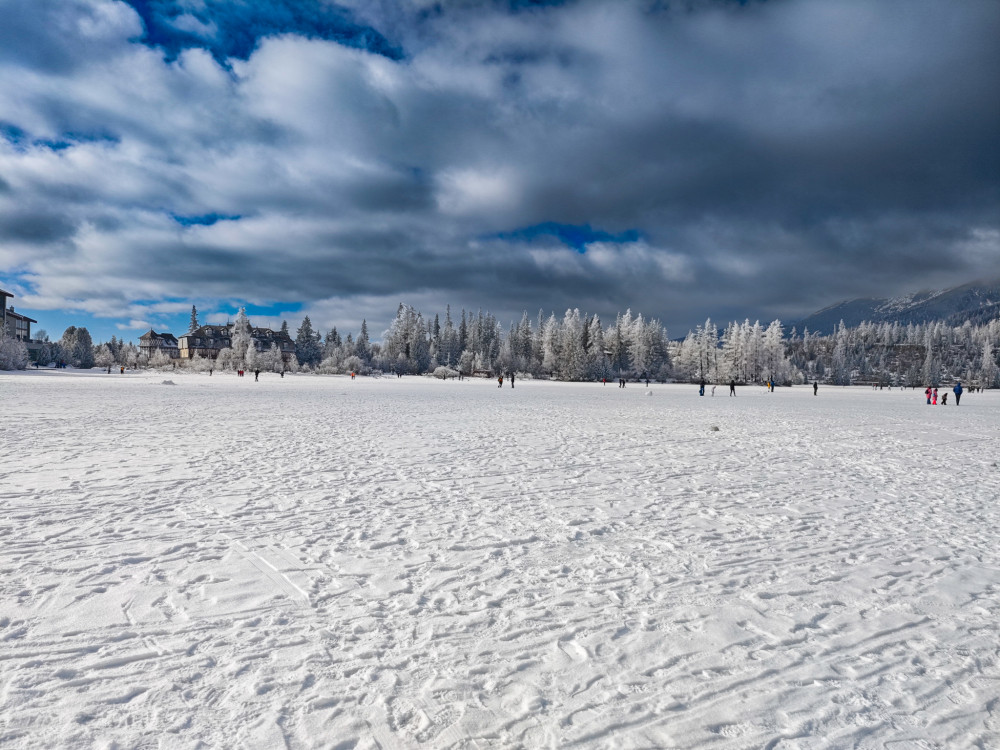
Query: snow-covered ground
(319, 562)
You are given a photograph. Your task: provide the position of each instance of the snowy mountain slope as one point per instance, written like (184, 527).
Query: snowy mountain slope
(978, 301)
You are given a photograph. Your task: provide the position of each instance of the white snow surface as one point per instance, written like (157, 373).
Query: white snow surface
(315, 562)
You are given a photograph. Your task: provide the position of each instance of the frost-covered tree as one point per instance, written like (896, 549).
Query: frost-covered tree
(103, 356)
(77, 348)
(13, 353)
(251, 361)
(160, 360)
(362, 345)
(989, 372)
(307, 344)
(572, 355)
(48, 351)
(550, 346)
(226, 360)
(598, 365)
(240, 341)
(193, 325)
(931, 371)
(199, 363)
(331, 343)
(618, 345)
(128, 355)
(270, 360)
(466, 362)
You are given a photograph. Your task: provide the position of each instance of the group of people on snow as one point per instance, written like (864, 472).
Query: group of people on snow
(932, 395)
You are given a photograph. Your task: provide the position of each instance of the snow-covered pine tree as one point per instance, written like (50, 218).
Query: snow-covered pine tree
(572, 355)
(362, 346)
(193, 325)
(77, 348)
(989, 372)
(597, 359)
(240, 341)
(307, 347)
(550, 346)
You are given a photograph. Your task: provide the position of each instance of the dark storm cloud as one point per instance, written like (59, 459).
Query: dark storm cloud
(681, 159)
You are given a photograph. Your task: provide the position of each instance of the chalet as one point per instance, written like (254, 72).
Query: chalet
(16, 325)
(209, 340)
(152, 342)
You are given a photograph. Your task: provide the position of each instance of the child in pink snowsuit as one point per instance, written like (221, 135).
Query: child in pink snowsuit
(934, 398)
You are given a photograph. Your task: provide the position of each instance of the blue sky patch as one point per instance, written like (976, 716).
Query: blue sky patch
(204, 220)
(576, 236)
(22, 140)
(232, 29)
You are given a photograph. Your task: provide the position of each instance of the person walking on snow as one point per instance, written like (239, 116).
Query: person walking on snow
(512, 380)
(958, 392)
(701, 387)
(500, 381)
(815, 386)
(928, 394)
(944, 399)
(732, 387)
(934, 398)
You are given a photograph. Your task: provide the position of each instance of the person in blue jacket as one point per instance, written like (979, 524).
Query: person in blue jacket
(958, 392)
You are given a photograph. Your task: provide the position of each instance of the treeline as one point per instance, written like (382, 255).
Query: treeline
(579, 346)
(574, 347)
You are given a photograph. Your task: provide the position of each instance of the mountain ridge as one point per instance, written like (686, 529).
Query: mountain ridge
(977, 301)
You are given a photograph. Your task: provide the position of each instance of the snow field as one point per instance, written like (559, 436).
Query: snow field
(319, 562)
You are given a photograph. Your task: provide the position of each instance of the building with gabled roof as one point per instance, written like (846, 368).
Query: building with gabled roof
(208, 340)
(152, 342)
(15, 325)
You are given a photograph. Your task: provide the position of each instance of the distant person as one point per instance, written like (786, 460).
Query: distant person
(701, 388)
(500, 381)
(934, 398)
(944, 399)
(256, 375)
(732, 387)
(512, 380)
(928, 393)
(815, 386)
(958, 392)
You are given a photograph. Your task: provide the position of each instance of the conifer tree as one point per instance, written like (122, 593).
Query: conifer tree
(242, 339)
(362, 346)
(193, 325)
(307, 348)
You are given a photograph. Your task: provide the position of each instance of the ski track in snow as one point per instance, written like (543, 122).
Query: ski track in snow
(317, 562)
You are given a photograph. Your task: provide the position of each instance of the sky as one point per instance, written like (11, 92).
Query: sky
(680, 159)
